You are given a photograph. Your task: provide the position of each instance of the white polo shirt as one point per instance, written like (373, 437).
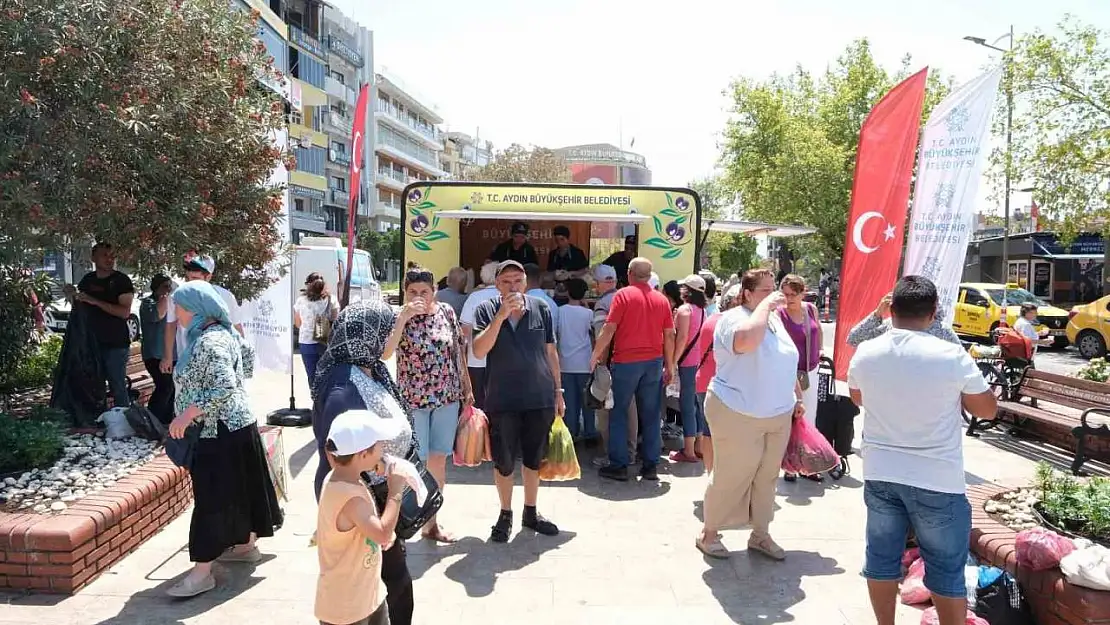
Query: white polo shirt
(467, 318)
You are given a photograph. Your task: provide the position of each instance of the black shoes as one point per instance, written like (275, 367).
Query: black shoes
(532, 520)
(617, 474)
(649, 473)
(539, 525)
(501, 529)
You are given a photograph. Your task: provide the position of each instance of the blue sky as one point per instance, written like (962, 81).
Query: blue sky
(579, 71)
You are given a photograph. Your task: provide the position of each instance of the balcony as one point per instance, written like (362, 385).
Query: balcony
(341, 158)
(335, 88)
(429, 134)
(391, 179)
(389, 211)
(341, 49)
(405, 155)
(337, 124)
(340, 197)
(307, 42)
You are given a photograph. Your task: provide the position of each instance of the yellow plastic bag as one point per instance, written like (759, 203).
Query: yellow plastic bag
(561, 462)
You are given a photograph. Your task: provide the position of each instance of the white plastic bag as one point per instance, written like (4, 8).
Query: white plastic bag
(115, 420)
(407, 470)
(1088, 566)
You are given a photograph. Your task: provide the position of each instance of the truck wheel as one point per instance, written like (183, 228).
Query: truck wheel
(1090, 344)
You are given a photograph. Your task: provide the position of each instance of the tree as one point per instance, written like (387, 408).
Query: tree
(724, 253)
(790, 148)
(139, 122)
(517, 163)
(1061, 129)
(383, 246)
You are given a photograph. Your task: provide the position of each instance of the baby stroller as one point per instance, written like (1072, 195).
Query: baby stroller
(836, 416)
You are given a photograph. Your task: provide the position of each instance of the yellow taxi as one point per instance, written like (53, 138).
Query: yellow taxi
(979, 311)
(1089, 328)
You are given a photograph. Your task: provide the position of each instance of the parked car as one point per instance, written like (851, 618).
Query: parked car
(1089, 328)
(57, 316)
(979, 311)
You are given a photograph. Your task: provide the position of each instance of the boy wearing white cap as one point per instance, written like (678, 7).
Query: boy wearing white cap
(351, 532)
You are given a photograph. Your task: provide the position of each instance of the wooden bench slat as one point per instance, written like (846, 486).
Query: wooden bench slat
(1029, 412)
(1097, 388)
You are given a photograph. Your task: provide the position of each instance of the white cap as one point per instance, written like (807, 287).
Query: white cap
(605, 272)
(358, 430)
(653, 282)
(695, 282)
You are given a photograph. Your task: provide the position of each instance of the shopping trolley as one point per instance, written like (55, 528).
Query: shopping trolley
(836, 417)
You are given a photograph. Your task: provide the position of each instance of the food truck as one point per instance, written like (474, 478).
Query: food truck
(449, 224)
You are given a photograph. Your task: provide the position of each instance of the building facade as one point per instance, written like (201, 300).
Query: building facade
(407, 147)
(604, 163)
(462, 154)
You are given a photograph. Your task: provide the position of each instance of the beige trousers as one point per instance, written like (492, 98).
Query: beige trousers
(747, 455)
(602, 417)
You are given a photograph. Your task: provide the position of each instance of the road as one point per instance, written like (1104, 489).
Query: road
(1062, 361)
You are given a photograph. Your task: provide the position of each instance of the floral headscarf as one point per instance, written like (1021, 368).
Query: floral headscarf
(358, 339)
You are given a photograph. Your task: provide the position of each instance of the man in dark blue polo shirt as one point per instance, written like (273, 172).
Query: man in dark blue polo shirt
(516, 336)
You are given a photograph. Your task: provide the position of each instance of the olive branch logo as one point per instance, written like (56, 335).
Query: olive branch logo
(422, 231)
(671, 238)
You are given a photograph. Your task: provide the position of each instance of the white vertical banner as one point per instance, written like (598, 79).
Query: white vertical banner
(268, 319)
(949, 166)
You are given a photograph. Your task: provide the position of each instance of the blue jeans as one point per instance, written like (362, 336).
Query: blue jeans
(693, 407)
(705, 422)
(114, 361)
(574, 395)
(940, 521)
(310, 355)
(644, 381)
(435, 429)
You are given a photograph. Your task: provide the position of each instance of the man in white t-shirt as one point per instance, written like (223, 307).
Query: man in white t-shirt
(476, 367)
(913, 387)
(196, 268)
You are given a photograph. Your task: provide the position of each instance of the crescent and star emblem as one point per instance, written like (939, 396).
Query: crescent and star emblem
(857, 232)
(357, 151)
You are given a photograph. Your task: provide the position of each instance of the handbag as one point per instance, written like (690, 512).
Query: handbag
(321, 327)
(182, 451)
(412, 515)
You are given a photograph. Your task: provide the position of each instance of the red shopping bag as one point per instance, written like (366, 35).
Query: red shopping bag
(808, 451)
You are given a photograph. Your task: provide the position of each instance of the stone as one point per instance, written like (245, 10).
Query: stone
(57, 506)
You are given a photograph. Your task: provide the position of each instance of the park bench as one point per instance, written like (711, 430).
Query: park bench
(139, 382)
(1070, 403)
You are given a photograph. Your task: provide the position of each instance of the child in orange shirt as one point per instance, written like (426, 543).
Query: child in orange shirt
(350, 532)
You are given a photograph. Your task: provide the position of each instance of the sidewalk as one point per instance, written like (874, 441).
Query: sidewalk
(626, 556)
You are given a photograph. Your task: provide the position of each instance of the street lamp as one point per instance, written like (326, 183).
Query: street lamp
(1008, 59)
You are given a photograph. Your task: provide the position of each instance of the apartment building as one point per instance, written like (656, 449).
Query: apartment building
(462, 154)
(407, 146)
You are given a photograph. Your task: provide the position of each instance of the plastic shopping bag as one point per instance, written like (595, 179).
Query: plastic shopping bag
(561, 462)
(910, 556)
(472, 444)
(808, 452)
(116, 424)
(929, 617)
(1088, 566)
(1039, 549)
(913, 590)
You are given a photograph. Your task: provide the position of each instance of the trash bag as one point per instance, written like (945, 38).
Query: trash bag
(913, 590)
(561, 462)
(144, 423)
(472, 444)
(1088, 566)
(929, 617)
(1000, 601)
(115, 420)
(808, 452)
(79, 381)
(1038, 549)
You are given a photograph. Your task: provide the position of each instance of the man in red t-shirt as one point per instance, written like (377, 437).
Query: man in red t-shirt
(641, 329)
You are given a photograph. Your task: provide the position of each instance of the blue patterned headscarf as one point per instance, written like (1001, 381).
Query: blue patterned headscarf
(208, 308)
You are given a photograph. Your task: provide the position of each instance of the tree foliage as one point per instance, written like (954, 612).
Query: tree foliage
(517, 163)
(381, 245)
(724, 253)
(1061, 129)
(790, 147)
(138, 122)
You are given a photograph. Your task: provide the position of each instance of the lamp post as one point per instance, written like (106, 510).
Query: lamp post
(1008, 60)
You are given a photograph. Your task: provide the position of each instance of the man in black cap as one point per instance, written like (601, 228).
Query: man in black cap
(620, 260)
(566, 257)
(517, 248)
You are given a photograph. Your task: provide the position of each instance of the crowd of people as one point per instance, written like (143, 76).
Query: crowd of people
(741, 367)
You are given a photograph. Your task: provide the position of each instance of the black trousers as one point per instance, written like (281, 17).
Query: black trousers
(161, 400)
(398, 584)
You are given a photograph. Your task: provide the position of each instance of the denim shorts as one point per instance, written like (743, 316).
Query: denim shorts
(435, 428)
(941, 523)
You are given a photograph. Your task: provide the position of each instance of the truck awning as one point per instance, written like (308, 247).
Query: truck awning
(624, 218)
(754, 227)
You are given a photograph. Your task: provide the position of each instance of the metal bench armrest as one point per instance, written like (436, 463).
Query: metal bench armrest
(1083, 418)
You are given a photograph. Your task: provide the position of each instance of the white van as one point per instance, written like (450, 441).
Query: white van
(328, 257)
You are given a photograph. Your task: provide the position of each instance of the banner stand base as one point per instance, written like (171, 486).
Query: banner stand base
(290, 417)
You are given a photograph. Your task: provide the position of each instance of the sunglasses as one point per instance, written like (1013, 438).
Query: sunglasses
(419, 275)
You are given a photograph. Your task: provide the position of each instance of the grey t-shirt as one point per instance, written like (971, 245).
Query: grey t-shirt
(452, 298)
(518, 375)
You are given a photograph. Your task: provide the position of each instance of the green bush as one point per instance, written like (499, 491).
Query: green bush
(37, 369)
(1081, 507)
(1097, 370)
(30, 443)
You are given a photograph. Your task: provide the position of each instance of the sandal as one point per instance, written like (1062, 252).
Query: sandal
(680, 456)
(767, 547)
(713, 549)
(439, 536)
(501, 529)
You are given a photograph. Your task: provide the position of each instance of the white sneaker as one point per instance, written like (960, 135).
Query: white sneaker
(189, 587)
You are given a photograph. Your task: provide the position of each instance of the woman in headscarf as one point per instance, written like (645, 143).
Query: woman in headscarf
(234, 502)
(352, 376)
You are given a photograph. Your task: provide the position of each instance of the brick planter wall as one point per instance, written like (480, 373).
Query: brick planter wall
(1053, 600)
(63, 553)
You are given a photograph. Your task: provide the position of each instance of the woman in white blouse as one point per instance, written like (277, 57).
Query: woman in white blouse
(750, 405)
(315, 302)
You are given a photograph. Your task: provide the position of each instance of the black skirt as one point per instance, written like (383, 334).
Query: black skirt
(233, 494)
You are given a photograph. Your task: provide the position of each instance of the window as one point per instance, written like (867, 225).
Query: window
(336, 75)
(298, 204)
(310, 159)
(306, 68)
(975, 298)
(339, 183)
(339, 147)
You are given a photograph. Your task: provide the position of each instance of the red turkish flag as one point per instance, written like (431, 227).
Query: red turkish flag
(358, 135)
(880, 203)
